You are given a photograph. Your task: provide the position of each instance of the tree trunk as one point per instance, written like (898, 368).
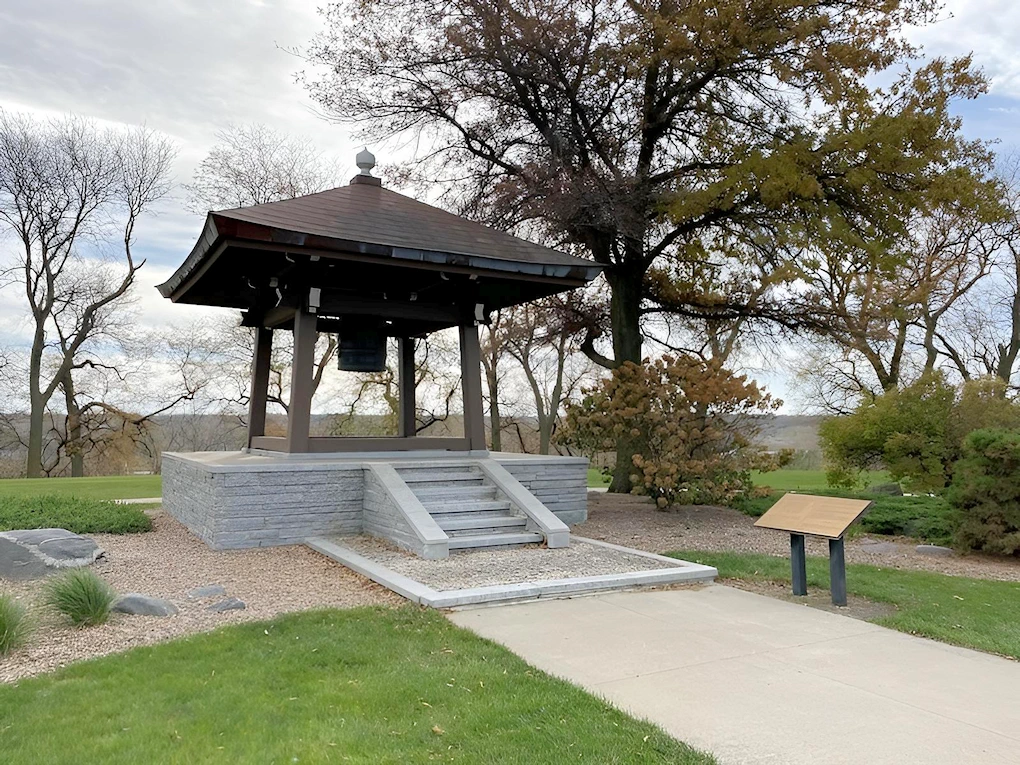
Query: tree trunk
(73, 446)
(37, 406)
(625, 317)
(33, 465)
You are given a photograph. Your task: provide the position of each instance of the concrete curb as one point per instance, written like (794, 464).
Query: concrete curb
(677, 572)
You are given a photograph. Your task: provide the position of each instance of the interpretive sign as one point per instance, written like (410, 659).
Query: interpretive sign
(808, 515)
(827, 517)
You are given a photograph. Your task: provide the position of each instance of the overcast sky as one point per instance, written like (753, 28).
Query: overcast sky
(189, 67)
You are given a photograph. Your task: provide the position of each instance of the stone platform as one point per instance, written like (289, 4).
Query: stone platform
(260, 499)
(507, 575)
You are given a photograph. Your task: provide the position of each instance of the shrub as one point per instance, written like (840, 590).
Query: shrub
(81, 596)
(14, 624)
(926, 518)
(82, 516)
(916, 432)
(986, 492)
(690, 425)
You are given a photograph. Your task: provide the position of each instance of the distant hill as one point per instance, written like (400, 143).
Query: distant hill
(792, 431)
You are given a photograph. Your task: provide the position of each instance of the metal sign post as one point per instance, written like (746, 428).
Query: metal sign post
(808, 515)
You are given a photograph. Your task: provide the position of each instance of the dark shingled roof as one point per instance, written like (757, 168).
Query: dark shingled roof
(368, 213)
(372, 221)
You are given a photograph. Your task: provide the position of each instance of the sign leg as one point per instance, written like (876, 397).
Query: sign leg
(798, 564)
(837, 571)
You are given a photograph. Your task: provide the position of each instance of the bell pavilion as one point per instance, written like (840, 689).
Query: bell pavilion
(369, 265)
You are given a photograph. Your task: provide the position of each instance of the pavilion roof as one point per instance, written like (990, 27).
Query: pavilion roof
(371, 224)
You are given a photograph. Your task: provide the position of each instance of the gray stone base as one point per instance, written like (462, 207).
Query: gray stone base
(673, 571)
(238, 499)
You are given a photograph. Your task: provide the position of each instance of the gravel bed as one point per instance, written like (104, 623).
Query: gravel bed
(634, 522)
(481, 568)
(168, 562)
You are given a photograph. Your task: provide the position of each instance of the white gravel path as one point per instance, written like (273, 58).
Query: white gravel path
(511, 565)
(168, 562)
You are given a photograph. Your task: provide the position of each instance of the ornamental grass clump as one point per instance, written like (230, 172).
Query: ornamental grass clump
(14, 624)
(82, 597)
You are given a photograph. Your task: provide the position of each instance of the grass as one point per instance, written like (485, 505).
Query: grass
(98, 487)
(80, 515)
(811, 480)
(596, 478)
(14, 624)
(366, 685)
(81, 596)
(973, 613)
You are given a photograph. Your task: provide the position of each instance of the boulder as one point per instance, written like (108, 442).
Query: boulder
(34, 553)
(136, 604)
(209, 591)
(934, 550)
(228, 604)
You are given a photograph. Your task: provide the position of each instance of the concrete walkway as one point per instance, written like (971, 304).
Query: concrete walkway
(758, 680)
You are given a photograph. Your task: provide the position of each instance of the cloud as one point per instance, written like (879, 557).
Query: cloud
(986, 28)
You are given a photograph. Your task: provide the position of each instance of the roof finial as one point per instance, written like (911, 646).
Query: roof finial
(365, 161)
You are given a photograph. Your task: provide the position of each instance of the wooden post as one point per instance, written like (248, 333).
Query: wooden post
(471, 386)
(798, 564)
(259, 383)
(408, 426)
(299, 413)
(837, 571)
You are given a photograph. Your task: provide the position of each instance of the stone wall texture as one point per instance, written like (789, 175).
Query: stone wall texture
(281, 502)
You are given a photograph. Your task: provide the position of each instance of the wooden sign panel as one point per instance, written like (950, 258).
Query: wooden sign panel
(828, 517)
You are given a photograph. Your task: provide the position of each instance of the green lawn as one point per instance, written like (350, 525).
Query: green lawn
(97, 487)
(364, 686)
(974, 613)
(811, 480)
(597, 479)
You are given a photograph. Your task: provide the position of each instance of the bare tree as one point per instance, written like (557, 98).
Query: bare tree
(493, 352)
(252, 164)
(545, 342)
(66, 187)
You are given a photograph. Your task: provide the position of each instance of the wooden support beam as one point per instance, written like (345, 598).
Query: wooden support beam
(355, 444)
(408, 425)
(299, 412)
(471, 386)
(259, 383)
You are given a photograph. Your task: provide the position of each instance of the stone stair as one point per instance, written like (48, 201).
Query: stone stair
(467, 507)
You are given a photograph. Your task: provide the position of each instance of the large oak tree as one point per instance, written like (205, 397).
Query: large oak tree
(657, 135)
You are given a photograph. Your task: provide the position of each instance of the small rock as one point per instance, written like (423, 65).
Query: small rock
(137, 604)
(885, 490)
(209, 591)
(934, 550)
(33, 553)
(230, 604)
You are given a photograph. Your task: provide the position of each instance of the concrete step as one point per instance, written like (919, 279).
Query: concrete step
(469, 541)
(465, 521)
(428, 493)
(422, 476)
(444, 506)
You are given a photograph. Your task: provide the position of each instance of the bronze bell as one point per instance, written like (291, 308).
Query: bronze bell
(362, 344)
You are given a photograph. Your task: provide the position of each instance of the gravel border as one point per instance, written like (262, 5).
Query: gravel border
(510, 565)
(169, 562)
